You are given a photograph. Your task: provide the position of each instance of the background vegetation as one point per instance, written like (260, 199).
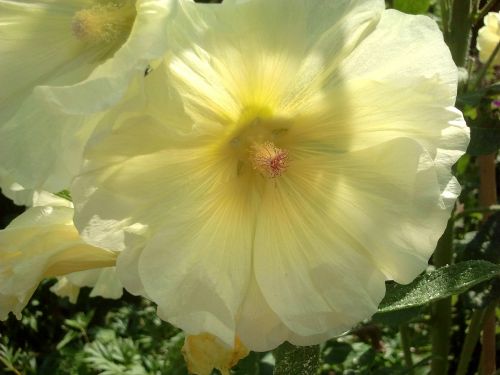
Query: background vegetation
(443, 323)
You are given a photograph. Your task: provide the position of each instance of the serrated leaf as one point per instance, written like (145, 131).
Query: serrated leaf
(68, 337)
(438, 284)
(296, 360)
(412, 6)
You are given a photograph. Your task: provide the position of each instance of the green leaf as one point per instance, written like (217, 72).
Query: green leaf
(336, 352)
(483, 140)
(484, 246)
(412, 6)
(493, 89)
(470, 98)
(68, 337)
(366, 358)
(296, 360)
(438, 284)
(248, 365)
(398, 317)
(486, 242)
(473, 98)
(65, 194)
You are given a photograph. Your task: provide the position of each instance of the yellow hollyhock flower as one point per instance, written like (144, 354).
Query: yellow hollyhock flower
(488, 37)
(42, 242)
(292, 155)
(61, 61)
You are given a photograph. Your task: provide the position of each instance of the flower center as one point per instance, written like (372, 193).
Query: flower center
(104, 23)
(268, 159)
(257, 144)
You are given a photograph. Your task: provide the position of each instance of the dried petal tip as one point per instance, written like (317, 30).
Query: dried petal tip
(205, 352)
(268, 159)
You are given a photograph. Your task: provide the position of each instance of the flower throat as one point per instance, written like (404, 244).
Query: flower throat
(105, 22)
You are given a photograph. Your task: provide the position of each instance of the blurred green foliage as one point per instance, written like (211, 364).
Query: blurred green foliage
(98, 336)
(95, 336)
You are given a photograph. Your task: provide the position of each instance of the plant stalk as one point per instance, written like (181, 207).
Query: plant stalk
(458, 37)
(404, 333)
(441, 310)
(484, 68)
(488, 354)
(482, 12)
(479, 210)
(470, 341)
(488, 196)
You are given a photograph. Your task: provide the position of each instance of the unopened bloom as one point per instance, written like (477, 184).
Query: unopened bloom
(61, 62)
(42, 242)
(205, 352)
(488, 38)
(291, 158)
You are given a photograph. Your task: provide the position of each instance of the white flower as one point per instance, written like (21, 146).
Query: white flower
(290, 159)
(42, 242)
(488, 37)
(62, 61)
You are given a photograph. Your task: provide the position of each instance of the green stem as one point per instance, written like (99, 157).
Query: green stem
(441, 310)
(479, 210)
(482, 12)
(470, 341)
(445, 17)
(10, 366)
(487, 197)
(458, 37)
(485, 68)
(404, 333)
(488, 352)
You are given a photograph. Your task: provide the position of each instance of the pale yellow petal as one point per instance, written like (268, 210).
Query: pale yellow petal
(304, 263)
(55, 80)
(41, 148)
(196, 263)
(108, 82)
(403, 48)
(302, 254)
(240, 58)
(65, 288)
(488, 38)
(37, 47)
(103, 281)
(255, 312)
(204, 353)
(388, 199)
(42, 242)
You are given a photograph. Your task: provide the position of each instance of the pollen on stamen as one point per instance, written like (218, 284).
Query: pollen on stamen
(102, 23)
(268, 159)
